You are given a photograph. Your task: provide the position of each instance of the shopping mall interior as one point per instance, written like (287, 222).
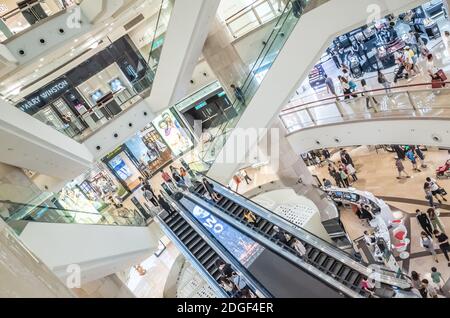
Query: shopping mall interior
(224, 149)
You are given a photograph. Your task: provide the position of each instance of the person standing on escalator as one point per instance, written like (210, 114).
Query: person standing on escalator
(209, 187)
(165, 205)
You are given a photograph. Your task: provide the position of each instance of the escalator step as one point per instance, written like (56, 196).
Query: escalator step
(212, 263)
(328, 264)
(336, 268)
(204, 251)
(174, 221)
(187, 234)
(321, 259)
(228, 205)
(343, 273)
(177, 226)
(222, 201)
(192, 241)
(313, 255)
(234, 208)
(269, 228)
(207, 257)
(182, 229)
(352, 278)
(197, 249)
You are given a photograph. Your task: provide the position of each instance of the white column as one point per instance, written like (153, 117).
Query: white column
(185, 37)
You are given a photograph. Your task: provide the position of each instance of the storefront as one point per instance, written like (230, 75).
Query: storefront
(148, 151)
(93, 92)
(373, 47)
(210, 106)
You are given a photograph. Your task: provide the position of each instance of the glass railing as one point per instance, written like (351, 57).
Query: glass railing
(254, 15)
(27, 203)
(22, 18)
(281, 31)
(159, 36)
(24, 213)
(410, 101)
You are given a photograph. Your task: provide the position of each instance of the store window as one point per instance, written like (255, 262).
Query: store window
(122, 164)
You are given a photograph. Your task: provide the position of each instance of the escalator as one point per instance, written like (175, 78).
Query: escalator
(203, 251)
(331, 266)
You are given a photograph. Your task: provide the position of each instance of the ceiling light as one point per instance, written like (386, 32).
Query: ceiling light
(42, 59)
(76, 40)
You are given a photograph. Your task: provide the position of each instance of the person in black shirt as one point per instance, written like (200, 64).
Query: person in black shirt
(280, 235)
(209, 187)
(424, 222)
(165, 205)
(224, 268)
(443, 244)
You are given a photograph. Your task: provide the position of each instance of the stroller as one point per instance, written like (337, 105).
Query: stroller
(443, 172)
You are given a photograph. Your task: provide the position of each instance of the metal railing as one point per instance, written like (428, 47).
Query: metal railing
(406, 101)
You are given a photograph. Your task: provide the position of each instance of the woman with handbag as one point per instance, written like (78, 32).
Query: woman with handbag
(433, 214)
(427, 243)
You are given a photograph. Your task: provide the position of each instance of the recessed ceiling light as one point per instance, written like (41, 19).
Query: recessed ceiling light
(42, 59)
(76, 40)
(40, 65)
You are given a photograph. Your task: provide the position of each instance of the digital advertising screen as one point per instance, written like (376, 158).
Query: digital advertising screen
(238, 244)
(173, 133)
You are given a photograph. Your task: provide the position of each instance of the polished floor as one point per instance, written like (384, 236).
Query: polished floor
(377, 174)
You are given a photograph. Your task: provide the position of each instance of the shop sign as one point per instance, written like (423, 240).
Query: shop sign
(35, 101)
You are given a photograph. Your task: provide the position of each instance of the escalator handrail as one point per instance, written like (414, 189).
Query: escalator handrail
(220, 249)
(332, 250)
(283, 252)
(192, 259)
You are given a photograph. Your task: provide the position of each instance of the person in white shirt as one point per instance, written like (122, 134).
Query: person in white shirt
(436, 190)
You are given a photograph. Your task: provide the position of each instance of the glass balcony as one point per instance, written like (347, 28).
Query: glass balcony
(17, 208)
(285, 24)
(409, 101)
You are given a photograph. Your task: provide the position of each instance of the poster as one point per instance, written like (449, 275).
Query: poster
(173, 134)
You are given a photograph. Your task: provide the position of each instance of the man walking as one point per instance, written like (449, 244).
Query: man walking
(424, 222)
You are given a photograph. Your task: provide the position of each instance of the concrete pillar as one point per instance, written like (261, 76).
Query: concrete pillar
(293, 172)
(223, 57)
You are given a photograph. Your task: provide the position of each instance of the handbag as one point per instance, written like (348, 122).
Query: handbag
(436, 83)
(442, 75)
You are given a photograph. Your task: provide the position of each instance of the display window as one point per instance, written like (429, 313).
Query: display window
(177, 137)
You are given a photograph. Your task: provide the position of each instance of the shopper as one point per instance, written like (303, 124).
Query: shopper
(209, 187)
(421, 156)
(424, 222)
(298, 247)
(431, 290)
(280, 235)
(400, 168)
(239, 94)
(433, 214)
(437, 190)
(150, 196)
(186, 178)
(409, 61)
(225, 269)
(352, 172)
(250, 217)
(346, 88)
(297, 8)
(412, 157)
(327, 183)
(346, 158)
(438, 280)
(336, 176)
(368, 285)
(443, 244)
(165, 206)
(246, 176)
(327, 156)
(167, 179)
(417, 284)
(384, 82)
(331, 89)
(370, 100)
(237, 180)
(428, 194)
(426, 241)
(344, 177)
